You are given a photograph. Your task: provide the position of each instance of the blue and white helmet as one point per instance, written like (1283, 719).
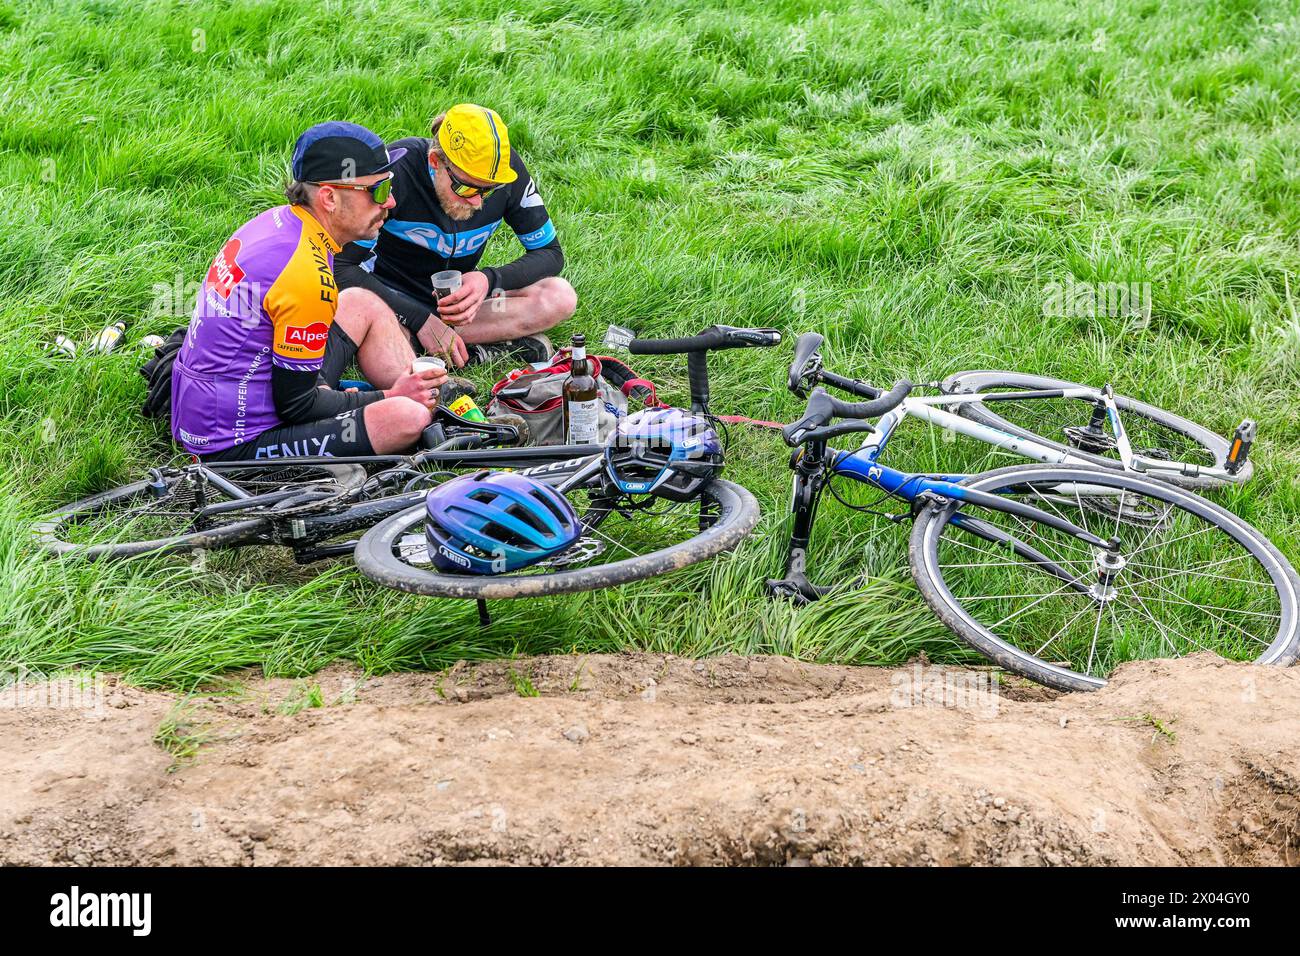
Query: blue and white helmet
(665, 452)
(496, 522)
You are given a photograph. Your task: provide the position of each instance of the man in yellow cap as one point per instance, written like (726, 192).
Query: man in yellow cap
(453, 190)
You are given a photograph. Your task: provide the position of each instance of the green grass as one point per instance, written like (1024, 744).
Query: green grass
(181, 734)
(523, 683)
(910, 179)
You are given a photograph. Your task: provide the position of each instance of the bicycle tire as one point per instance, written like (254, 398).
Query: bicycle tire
(50, 532)
(1208, 441)
(927, 572)
(737, 513)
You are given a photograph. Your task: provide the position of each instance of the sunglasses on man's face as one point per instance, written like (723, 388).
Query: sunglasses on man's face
(379, 192)
(466, 190)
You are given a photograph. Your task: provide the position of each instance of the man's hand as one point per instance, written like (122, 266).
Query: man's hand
(421, 386)
(438, 339)
(459, 307)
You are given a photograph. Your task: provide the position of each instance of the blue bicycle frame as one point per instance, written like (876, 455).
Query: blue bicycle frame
(817, 462)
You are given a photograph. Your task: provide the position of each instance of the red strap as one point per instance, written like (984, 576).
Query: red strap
(559, 365)
(742, 420)
(632, 384)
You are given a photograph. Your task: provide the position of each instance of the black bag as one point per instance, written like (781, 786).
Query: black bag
(158, 373)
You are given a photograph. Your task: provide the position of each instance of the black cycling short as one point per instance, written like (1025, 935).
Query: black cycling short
(342, 434)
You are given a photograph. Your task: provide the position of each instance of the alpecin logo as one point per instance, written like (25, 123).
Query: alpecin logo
(312, 337)
(225, 273)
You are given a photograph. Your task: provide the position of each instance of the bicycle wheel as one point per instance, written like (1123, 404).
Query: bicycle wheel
(621, 542)
(1199, 578)
(162, 515)
(1062, 423)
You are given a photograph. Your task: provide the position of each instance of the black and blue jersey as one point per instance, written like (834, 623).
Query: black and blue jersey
(419, 238)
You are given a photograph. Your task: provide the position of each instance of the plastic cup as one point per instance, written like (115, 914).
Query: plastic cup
(426, 362)
(423, 364)
(446, 282)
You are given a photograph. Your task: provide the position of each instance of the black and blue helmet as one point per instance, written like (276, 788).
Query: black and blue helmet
(494, 522)
(665, 452)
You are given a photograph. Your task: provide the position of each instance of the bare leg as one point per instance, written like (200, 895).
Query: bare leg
(384, 354)
(534, 308)
(383, 348)
(394, 425)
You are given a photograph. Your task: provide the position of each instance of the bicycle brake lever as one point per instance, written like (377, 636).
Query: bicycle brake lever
(818, 412)
(843, 428)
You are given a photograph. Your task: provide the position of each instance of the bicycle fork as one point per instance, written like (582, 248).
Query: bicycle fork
(808, 465)
(1096, 582)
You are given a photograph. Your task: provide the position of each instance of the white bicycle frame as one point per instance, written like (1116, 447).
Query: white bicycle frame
(927, 408)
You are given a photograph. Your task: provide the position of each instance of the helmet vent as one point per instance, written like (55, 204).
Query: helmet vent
(528, 518)
(549, 505)
(507, 536)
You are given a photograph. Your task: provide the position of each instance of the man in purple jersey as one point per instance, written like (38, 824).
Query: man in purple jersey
(258, 374)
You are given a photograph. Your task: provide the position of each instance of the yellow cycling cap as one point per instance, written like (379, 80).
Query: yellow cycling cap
(475, 139)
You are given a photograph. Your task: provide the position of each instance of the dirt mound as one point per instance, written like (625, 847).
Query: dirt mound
(640, 758)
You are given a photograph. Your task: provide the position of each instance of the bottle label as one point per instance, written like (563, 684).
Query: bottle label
(466, 408)
(584, 422)
(579, 353)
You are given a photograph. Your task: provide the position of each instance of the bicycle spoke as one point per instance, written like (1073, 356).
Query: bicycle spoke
(1214, 607)
(1200, 573)
(1181, 537)
(1096, 632)
(1164, 633)
(1179, 584)
(1037, 535)
(1018, 563)
(1212, 614)
(1061, 630)
(1006, 564)
(1002, 597)
(1060, 590)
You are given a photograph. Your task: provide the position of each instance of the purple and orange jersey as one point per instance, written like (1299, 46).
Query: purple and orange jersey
(268, 300)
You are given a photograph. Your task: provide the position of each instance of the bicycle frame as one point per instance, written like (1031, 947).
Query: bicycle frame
(816, 462)
(928, 409)
(305, 532)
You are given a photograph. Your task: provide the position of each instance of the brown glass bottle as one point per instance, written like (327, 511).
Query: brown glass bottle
(581, 398)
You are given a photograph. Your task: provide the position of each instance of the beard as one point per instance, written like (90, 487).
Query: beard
(451, 204)
(372, 230)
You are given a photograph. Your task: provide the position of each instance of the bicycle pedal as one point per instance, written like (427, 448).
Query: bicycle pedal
(786, 591)
(1239, 451)
(796, 589)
